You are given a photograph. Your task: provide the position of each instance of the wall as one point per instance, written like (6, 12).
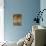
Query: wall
(1, 21)
(27, 8)
(43, 6)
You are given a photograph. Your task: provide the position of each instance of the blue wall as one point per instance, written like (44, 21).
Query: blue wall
(27, 8)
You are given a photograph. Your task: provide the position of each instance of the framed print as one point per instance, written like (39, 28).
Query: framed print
(17, 19)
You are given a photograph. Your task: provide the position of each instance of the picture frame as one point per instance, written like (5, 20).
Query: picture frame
(17, 19)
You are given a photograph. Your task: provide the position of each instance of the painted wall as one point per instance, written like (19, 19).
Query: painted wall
(27, 8)
(43, 6)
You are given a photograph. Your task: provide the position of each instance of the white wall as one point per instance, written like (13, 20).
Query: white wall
(1, 20)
